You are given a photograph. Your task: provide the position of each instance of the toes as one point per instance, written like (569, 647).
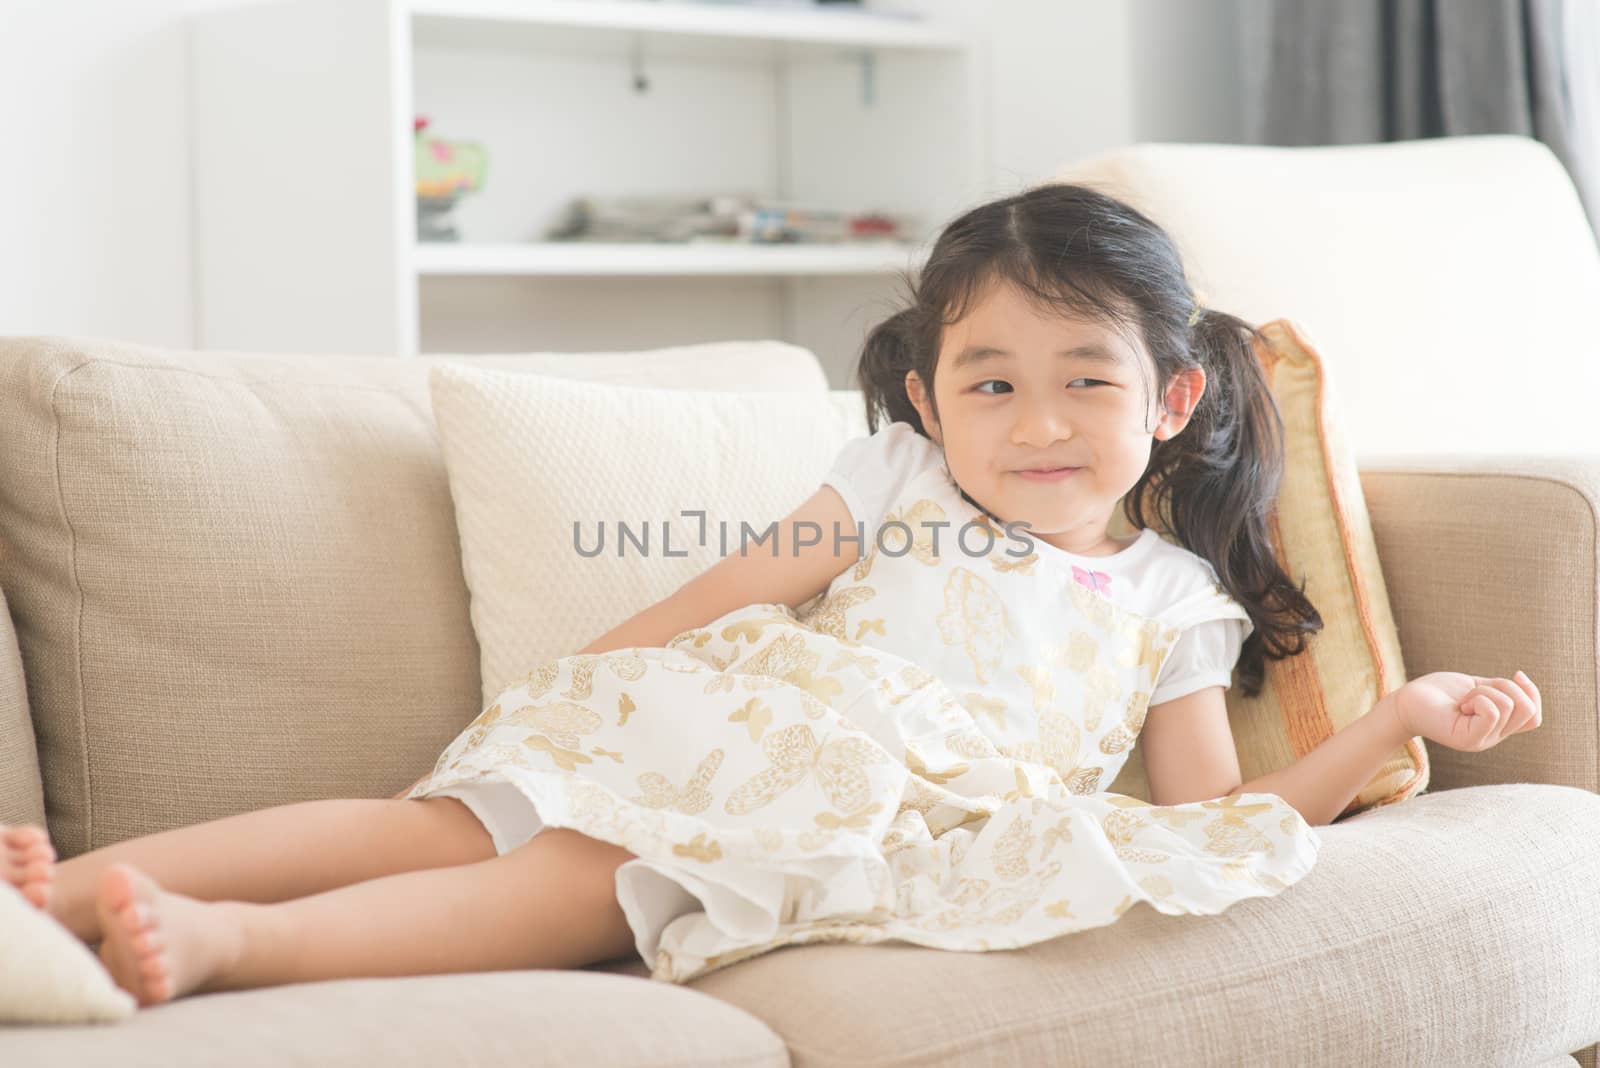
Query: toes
(134, 946)
(116, 887)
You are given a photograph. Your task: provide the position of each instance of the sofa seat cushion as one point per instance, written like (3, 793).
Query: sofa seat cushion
(1417, 938)
(490, 1018)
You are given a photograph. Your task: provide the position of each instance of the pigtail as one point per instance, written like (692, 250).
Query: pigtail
(890, 350)
(1214, 485)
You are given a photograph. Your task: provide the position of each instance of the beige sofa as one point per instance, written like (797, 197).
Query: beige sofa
(234, 581)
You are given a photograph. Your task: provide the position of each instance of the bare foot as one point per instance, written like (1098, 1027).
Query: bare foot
(159, 945)
(28, 862)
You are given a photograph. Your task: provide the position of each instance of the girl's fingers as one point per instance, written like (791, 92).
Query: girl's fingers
(1521, 711)
(1487, 715)
(1533, 691)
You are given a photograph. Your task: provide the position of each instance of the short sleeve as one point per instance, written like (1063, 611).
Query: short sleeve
(1204, 655)
(870, 471)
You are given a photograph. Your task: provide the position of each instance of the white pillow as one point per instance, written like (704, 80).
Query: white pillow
(47, 976)
(528, 455)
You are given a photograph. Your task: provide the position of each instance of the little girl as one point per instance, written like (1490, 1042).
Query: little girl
(905, 728)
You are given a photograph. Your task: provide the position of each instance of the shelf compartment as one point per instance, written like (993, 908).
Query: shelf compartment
(562, 259)
(675, 28)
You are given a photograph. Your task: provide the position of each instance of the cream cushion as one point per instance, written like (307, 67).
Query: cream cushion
(46, 974)
(530, 456)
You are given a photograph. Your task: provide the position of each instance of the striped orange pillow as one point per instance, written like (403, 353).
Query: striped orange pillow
(1322, 534)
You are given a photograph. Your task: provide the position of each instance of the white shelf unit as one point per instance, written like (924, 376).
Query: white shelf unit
(305, 216)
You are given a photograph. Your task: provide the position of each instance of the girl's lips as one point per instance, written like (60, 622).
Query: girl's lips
(1049, 476)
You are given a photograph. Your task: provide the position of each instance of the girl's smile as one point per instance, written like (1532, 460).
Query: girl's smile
(1045, 419)
(1058, 474)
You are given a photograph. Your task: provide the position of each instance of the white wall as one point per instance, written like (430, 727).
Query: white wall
(94, 180)
(95, 183)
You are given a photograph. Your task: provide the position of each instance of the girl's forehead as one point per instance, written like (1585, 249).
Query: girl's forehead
(972, 341)
(1005, 310)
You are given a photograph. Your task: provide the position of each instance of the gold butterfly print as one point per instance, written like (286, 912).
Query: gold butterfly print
(1156, 885)
(922, 547)
(566, 759)
(870, 626)
(789, 659)
(858, 820)
(1095, 608)
(867, 665)
(1056, 834)
(1177, 816)
(993, 707)
(563, 721)
(1235, 810)
(1084, 780)
(1009, 565)
(657, 791)
(1123, 735)
(1059, 910)
(1077, 653)
(582, 684)
(749, 628)
(1102, 689)
(624, 706)
(600, 751)
(1230, 833)
(1148, 649)
(699, 848)
(793, 755)
(1044, 686)
(481, 725)
(695, 637)
(540, 679)
(829, 618)
(864, 565)
(626, 665)
(975, 618)
(1120, 827)
(755, 714)
(1059, 740)
(919, 768)
(1010, 853)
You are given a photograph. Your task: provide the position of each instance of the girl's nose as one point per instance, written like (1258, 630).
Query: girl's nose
(1038, 425)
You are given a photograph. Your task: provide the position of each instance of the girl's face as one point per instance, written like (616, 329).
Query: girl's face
(1021, 389)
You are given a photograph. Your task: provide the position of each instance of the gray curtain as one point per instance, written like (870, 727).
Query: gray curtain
(1318, 72)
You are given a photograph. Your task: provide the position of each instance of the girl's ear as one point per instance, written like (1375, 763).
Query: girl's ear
(1179, 402)
(920, 401)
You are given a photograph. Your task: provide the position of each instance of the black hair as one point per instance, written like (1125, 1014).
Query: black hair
(1080, 252)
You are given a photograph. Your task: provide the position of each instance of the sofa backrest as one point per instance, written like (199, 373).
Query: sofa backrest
(1450, 282)
(235, 579)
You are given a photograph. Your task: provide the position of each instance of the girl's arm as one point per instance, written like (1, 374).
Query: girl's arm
(774, 572)
(1190, 756)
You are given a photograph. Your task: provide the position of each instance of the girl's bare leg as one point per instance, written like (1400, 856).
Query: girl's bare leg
(273, 854)
(550, 903)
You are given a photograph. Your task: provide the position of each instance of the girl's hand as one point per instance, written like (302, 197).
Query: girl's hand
(1465, 711)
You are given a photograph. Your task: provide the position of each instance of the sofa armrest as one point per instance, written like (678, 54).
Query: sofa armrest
(21, 793)
(1492, 564)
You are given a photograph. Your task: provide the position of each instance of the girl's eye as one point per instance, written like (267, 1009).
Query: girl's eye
(999, 382)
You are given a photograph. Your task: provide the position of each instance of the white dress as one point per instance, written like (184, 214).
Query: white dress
(920, 754)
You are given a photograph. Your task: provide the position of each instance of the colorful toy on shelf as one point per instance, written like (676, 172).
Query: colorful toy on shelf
(446, 170)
